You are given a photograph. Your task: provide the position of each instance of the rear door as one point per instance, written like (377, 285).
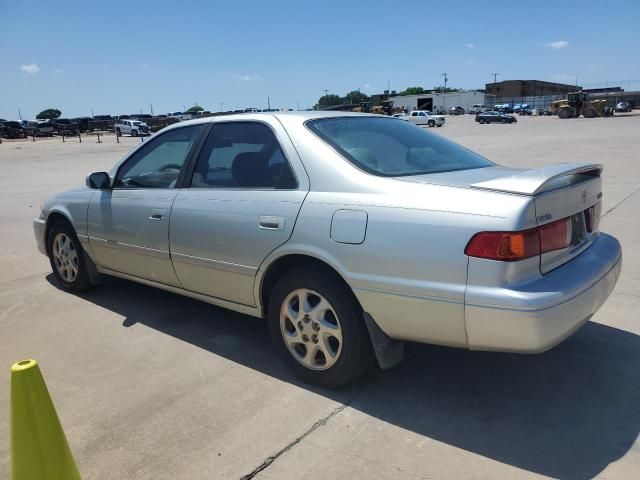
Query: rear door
(247, 187)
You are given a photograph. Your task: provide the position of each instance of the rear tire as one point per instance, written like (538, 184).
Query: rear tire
(589, 113)
(504, 120)
(327, 342)
(134, 133)
(66, 257)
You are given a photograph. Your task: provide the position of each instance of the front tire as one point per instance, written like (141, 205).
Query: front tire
(431, 123)
(317, 326)
(66, 257)
(134, 133)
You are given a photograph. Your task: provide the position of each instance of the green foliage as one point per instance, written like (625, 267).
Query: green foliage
(441, 89)
(329, 100)
(194, 109)
(412, 91)
(48, 114)
(355, 97)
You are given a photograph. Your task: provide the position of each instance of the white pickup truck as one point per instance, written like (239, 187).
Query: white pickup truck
(425, 117)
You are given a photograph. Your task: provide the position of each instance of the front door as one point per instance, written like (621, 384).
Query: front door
(242, 203)
(129, 224)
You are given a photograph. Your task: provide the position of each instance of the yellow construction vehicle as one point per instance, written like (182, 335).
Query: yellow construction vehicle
(578, 103)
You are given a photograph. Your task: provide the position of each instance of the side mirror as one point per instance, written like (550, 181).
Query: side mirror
(99, 181)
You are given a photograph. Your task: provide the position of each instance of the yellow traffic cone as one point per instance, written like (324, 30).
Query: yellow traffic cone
(39, 449)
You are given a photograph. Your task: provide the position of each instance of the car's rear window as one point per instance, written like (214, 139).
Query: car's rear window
(392, 147)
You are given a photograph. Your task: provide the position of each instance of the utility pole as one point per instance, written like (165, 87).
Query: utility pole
(151, 108)
(268, 103)
(445, 82)
(495, 77)
(19, 114)
(326, 92)
(220, 106)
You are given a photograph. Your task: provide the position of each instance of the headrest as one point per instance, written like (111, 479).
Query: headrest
(250, 169)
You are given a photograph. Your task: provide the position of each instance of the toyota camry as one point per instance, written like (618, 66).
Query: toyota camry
(348, 233)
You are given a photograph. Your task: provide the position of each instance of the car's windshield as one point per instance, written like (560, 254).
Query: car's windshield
(387, 147)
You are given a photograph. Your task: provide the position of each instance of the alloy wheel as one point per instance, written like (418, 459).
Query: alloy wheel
(65, 257)
(311, 329)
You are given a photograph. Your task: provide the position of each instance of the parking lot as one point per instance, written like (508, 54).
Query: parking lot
(151, 385)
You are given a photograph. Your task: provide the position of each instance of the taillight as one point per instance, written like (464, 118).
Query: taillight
(512, 246)
(555, 235)
(506, 246)
(592, 217)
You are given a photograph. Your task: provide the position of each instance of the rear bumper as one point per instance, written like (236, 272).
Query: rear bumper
(534, 317)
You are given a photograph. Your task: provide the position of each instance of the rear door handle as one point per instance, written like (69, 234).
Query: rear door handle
(157, 214)
(268, 222)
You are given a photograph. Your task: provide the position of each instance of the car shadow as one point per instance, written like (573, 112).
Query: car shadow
(567, 413)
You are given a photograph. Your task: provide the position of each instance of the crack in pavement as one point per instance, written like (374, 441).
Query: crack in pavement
(314, 427)
(621, 202)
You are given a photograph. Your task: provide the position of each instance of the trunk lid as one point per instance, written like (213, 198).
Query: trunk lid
(561, 191)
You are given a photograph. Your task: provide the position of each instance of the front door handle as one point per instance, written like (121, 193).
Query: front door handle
(268, 222)
(157, 214)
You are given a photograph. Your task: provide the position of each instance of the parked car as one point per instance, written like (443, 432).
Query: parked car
(179, 115)
(340, 227)
(477, 108)
(134, 128)
(503, 108)
(492, 117)
(37, 129)
(64, 126)
(10, 129)
(624, 107)
(456, 111)
(425, 117)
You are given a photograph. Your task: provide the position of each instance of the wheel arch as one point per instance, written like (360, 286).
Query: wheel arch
(54, 217)
(283, 263)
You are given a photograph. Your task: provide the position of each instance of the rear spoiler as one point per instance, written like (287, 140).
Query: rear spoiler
(532, 182)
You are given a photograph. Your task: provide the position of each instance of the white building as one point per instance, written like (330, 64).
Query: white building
(438, 101)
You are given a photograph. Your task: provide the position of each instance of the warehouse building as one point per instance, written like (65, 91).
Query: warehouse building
(529, 88)
(437, 102)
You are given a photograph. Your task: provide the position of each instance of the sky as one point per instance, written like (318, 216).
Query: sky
(119, 57)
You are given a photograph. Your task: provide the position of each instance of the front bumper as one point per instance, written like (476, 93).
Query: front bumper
(536, 316)
(39, 231)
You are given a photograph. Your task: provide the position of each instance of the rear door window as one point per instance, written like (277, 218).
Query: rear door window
(242, 155)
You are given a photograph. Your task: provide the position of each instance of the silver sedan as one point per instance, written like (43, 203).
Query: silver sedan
(349, 233)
